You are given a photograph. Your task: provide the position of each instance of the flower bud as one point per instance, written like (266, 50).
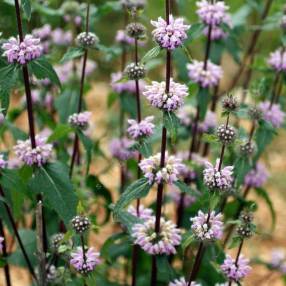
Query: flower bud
(70, 7)
(226, 134)
(229, 103)
(246, 217)
(135, 71)
(244, 231)
(247, 148)
(87, 40)
(57, 240)
(80, 224)
(136, 30)
(255, 113)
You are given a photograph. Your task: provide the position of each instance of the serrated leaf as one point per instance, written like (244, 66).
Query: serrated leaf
(26, 5)
(265, 196)
(171, 123)
(72, 53)
(42, 69)
(151, 54)
(52, 180)
(88, 146)
(136, 190)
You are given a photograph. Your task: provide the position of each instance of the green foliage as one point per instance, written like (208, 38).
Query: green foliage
(72, 53)
(26, 5)
(53, 182)
(136, 190)
(241, 167)
(203, 97)
(151, 54)
(171, 123)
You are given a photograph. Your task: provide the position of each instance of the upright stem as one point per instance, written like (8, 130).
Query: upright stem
(252, 45)
(80, 99)
(40, 244)
(274, 90)
(14, 226)
(163, 153)
(5, 255)
(237, 258)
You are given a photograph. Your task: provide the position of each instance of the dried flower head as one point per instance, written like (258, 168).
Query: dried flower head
(207, 226)
(154, 243)
(87, 40)
(37, 156)
(22, 52)
(170, 35)
(230, 103)
(157, 96)
(86, 262)
(208, 76)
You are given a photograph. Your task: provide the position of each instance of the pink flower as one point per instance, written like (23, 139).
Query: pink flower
(207, 226)
(120, 149)
(172, 35)
(215, 179)
(169, 173)
(24, 52)
(154, 243)
(3, 162)
(182, 282)
(84, 263)
(256, 177)
(157, 96)
(142, 129)
(235, 271)
(175, 196)
(37, 156)
(277, 60)
(61, 37)
(272, 114)
(144, 213)
(208, 77)
(80, 120)
(212, 13)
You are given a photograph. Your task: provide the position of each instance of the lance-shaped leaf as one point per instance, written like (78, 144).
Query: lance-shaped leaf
(171, 123)
(72, 53)
(42, 69)
(53, 182)
(203, 100)
(241, 167)
(137, 190)
(26, 5)
(128, 220)
(151, 54)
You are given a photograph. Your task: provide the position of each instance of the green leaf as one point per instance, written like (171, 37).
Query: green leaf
(242, 167)
(195, 31)
(60, 132)
(264, 195)
(136, 190)
(184, 188)
(235, 242)
(187, 239)
(165, 271)
(203, 100)
(42, 69)
(100, 190)
(127, 219)
(171, 123)
(26, 5)
(144, 147)
(88, 146)
(111, 99)
(72, 53)
(53, 181)
(151, 54)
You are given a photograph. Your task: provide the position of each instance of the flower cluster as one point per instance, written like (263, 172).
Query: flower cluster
(37, 156)
(188, 200)
(120, 149)
(61, 37)
(80, 120)
(170, 35)
(22, 52)
(235, 271)
(256, 177)
(123, 39)
(277, 60)
(272, 113)
(87, 40)
(143, 213)
(205, 76)
(3, 162)
(154, 173)
(1, 242)
(278, 260)
(207, 226)
(86, 262)
(126, 86)
(157, 96)
(154, 243)
(141, 129)
(182, 282)
(212, 13)
(218, 179)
